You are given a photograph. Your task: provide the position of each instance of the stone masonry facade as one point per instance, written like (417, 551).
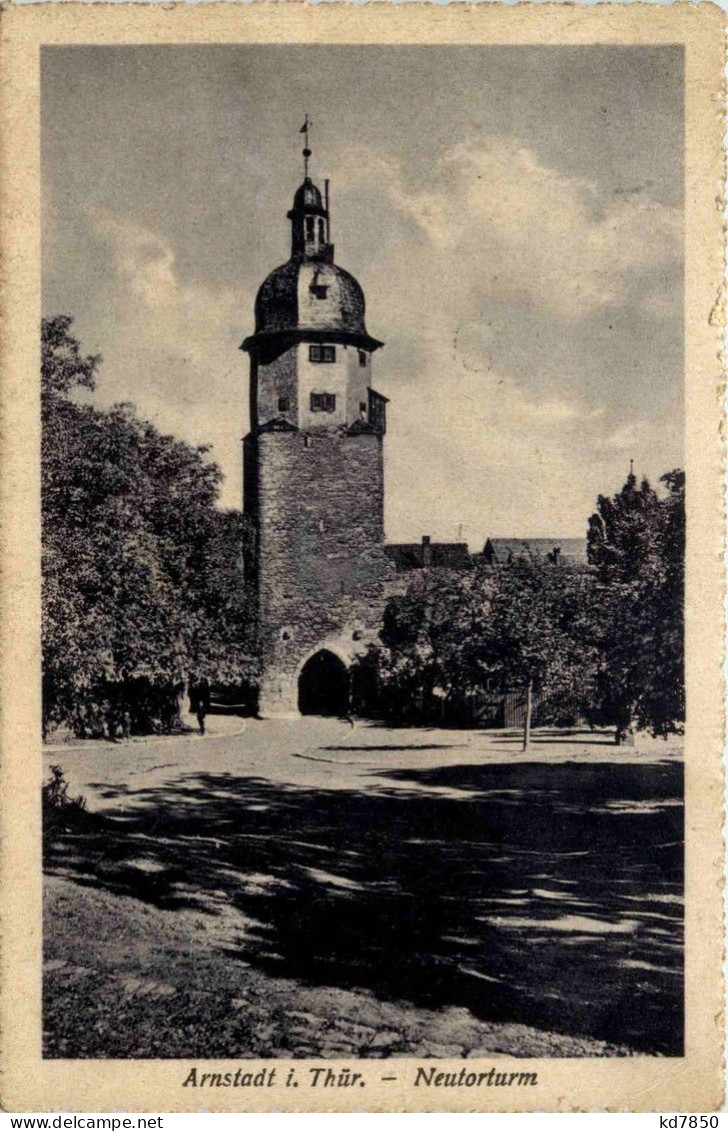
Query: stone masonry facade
(323, 572)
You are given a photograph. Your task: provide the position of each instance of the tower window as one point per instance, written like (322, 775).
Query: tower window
(323, 402)
(283, 404)
(362, 357)
(321, 231)
(321, 353)
(318, 291)
(309, 227)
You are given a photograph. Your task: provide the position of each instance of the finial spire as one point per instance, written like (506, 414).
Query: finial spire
(306, 151)
(631, 468)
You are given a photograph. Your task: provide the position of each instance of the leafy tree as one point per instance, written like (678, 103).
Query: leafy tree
(606, 641)
(623, 535)
(526, 625)
(142, 583)
(418, 666)
(637, 544)
(535, 633)
(62, 366)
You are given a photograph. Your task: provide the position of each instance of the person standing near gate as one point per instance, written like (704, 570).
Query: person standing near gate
(200, 701)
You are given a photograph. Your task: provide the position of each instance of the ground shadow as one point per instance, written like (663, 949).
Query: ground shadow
(390, 747)
(550, 736)
(547, 894)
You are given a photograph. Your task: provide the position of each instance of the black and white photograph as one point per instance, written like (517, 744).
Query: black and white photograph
(363, 552)
(363, 521)
(363, 558)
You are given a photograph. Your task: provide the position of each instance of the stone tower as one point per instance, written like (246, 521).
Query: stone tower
(313, 470)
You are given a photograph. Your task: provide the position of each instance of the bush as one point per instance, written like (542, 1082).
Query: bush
(59, 810)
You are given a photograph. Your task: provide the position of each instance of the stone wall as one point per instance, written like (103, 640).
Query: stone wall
(322, 568)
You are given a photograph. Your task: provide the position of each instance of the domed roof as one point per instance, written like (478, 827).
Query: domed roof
(310, 295)
(307, 197)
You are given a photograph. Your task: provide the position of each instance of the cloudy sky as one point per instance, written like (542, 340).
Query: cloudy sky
(514, 215)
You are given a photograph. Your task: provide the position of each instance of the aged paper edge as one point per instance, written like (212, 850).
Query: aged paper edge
(693, 1082)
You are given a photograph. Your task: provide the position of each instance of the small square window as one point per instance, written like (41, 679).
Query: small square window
(362, 358)
(321, 353)
(318, 291)
(284, 404)
(323, 402)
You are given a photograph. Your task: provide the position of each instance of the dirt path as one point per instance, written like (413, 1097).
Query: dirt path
(128, 980)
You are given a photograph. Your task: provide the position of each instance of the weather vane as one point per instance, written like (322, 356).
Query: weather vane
(306, 151)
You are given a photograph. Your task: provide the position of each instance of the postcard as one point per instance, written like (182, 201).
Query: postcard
(363, 557)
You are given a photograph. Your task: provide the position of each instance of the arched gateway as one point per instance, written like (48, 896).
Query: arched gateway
(323, 685)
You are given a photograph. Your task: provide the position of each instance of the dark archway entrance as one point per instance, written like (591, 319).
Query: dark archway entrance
(323, 685)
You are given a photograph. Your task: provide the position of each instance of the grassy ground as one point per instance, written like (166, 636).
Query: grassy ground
(311, 889)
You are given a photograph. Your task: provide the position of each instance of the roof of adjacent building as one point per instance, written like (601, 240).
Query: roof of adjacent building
(571, 551)
(440, 555)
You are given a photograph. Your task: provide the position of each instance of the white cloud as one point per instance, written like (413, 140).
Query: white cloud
(144, 264)
(500, 224)
(470, 442)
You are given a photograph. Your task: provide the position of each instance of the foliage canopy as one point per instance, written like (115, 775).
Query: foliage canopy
(142, 574)
(637, 544)
(603, 642)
